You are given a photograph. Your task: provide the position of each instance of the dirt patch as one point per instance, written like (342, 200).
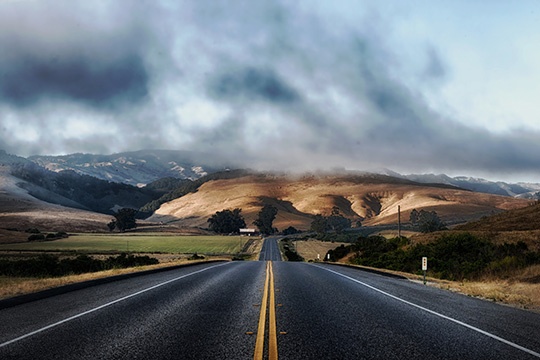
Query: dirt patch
(315, 249)
(9, 236)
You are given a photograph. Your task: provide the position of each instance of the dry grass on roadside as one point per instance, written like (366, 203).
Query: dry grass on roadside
(519, 294)
(520, 288)
(10, 287)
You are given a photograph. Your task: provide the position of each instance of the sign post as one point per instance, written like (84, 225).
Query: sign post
(424, 267)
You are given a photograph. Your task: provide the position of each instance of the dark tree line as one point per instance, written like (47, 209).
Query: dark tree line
(336, 222)
(92, 193)
(231, 221)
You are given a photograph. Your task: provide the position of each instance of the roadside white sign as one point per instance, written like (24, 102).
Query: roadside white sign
(424, 263)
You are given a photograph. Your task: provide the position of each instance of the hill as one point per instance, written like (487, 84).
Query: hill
(522, 219)
(372, 199)
(79, 191)
(20, 210)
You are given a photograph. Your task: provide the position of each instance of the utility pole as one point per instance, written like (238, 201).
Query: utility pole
(399, 221)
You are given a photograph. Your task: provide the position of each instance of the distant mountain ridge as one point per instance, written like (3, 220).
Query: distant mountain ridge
(519, 190)
(145, 166)
(137, 167)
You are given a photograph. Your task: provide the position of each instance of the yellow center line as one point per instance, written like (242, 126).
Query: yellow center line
(259, 345)
(272, 341)
(272, 350)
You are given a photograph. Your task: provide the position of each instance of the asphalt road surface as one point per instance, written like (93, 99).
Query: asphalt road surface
(270, 250)
(266, 309)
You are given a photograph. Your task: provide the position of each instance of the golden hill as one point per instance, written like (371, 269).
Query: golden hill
(373, 199)
(522, 219)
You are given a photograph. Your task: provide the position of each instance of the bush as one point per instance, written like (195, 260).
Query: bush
(36, 237)
(291, 230)
(48, 265)
(453, 256)
(338, 253)
(289, 252)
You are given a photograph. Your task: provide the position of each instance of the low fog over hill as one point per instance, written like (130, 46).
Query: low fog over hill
(145, 166)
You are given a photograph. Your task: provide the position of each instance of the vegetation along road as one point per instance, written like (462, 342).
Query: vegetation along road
(266, 309)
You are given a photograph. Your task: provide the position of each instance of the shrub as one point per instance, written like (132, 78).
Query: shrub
(291, 230)
(36, 237)
(453, 256)
(48, 265)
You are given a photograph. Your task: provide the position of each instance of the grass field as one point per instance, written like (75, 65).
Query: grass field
(147, 243)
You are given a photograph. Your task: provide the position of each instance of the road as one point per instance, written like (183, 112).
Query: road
(227, 311)
(270, 250)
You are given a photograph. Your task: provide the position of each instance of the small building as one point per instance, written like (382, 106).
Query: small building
(249, 232)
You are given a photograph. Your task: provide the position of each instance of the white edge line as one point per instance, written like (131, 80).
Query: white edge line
(438, 314)
(103, 306)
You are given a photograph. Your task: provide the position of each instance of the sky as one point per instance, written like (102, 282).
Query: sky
(413, 86)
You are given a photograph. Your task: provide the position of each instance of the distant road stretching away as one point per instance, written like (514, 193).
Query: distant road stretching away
(270, 250)
(269, 310)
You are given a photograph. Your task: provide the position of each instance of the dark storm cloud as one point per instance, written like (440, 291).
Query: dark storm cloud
(253, 84)
(96, 82)
(269, 82)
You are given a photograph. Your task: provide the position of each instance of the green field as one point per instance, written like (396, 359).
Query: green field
(137, 243)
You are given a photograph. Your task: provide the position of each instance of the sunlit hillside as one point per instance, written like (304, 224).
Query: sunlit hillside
(371, 199)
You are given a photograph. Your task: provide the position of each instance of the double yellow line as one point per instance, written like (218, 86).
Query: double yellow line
(272, 336)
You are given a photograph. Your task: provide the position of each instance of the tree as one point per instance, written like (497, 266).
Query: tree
(337, 222)
(265, 219)
(291, 230)
(319, 224)
(413, 218)
(227, 221)
(427, 221)
(125, 219)
(111, 225)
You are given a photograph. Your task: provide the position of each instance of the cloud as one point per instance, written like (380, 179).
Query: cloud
(253, 84)
(282, 86)
(435, 68)
(97, 83)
